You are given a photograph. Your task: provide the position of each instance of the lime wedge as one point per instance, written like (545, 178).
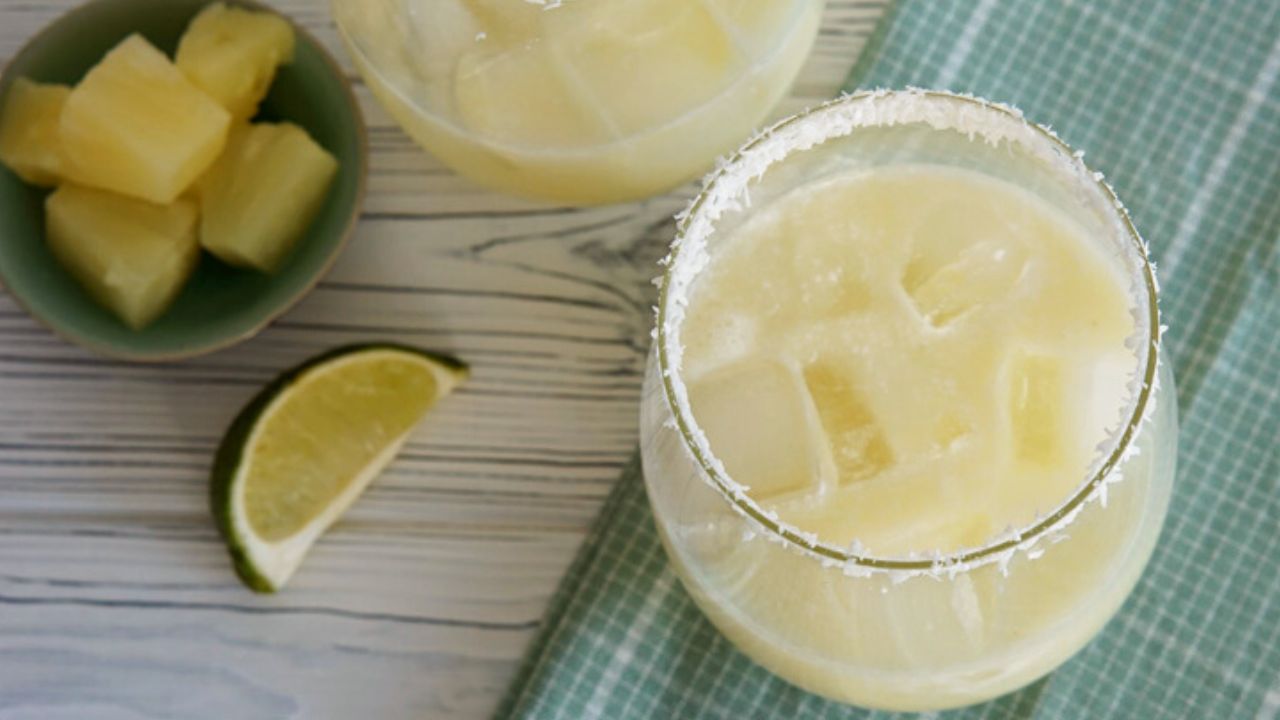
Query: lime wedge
(304, 448)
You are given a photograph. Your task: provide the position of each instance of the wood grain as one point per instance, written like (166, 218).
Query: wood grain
(116, 599)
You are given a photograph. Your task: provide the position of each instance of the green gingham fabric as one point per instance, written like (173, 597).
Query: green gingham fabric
(1178, 102)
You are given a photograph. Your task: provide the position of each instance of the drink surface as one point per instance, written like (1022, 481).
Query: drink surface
(915, 360)
(584, 100)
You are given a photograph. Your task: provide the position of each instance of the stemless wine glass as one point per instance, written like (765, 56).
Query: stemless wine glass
(916, 632)
(578, 101)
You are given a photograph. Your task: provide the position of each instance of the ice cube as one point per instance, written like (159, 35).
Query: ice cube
(716, 339)
(754, 23)
(936, 525)
(755, 417)
(1036, 404)
(504, 22)
(949, 430)
(829, 270)
(439, 32)
(520, 96)
(858, 445)
(948, 284)
(687, 57)
(967, 601)
(1103, 386)
(832, 270)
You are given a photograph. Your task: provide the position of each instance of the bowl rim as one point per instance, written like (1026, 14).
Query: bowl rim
(110, 351)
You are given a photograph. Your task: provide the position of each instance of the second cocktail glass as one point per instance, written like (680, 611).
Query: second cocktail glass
(579, 101)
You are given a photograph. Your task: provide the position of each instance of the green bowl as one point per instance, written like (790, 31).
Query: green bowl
(220, 305)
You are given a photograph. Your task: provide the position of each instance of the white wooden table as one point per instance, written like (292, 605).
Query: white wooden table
(116, 597)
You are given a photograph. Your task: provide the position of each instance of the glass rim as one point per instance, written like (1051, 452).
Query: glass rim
(1000, 545)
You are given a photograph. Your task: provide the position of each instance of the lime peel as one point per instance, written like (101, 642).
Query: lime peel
(264, 565)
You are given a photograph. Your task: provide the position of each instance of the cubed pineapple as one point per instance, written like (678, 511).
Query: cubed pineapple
(262, 194)
(232, 54)
(29, 131)
(132, 256)
(136, 126)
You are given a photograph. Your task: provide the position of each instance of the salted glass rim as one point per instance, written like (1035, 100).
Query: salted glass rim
(744, 168)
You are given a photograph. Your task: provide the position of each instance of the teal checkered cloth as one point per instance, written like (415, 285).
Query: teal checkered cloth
(1178, 102)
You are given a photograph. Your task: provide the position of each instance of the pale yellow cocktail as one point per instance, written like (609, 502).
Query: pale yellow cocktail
(904, 433)
(579, 101)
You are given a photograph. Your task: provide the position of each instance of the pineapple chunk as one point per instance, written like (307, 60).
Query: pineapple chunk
(29, 131)
(232, 54)
(136, 126)
(132, 256)
(262, 194)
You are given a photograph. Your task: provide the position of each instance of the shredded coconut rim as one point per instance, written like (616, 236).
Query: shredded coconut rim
(728, 188)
